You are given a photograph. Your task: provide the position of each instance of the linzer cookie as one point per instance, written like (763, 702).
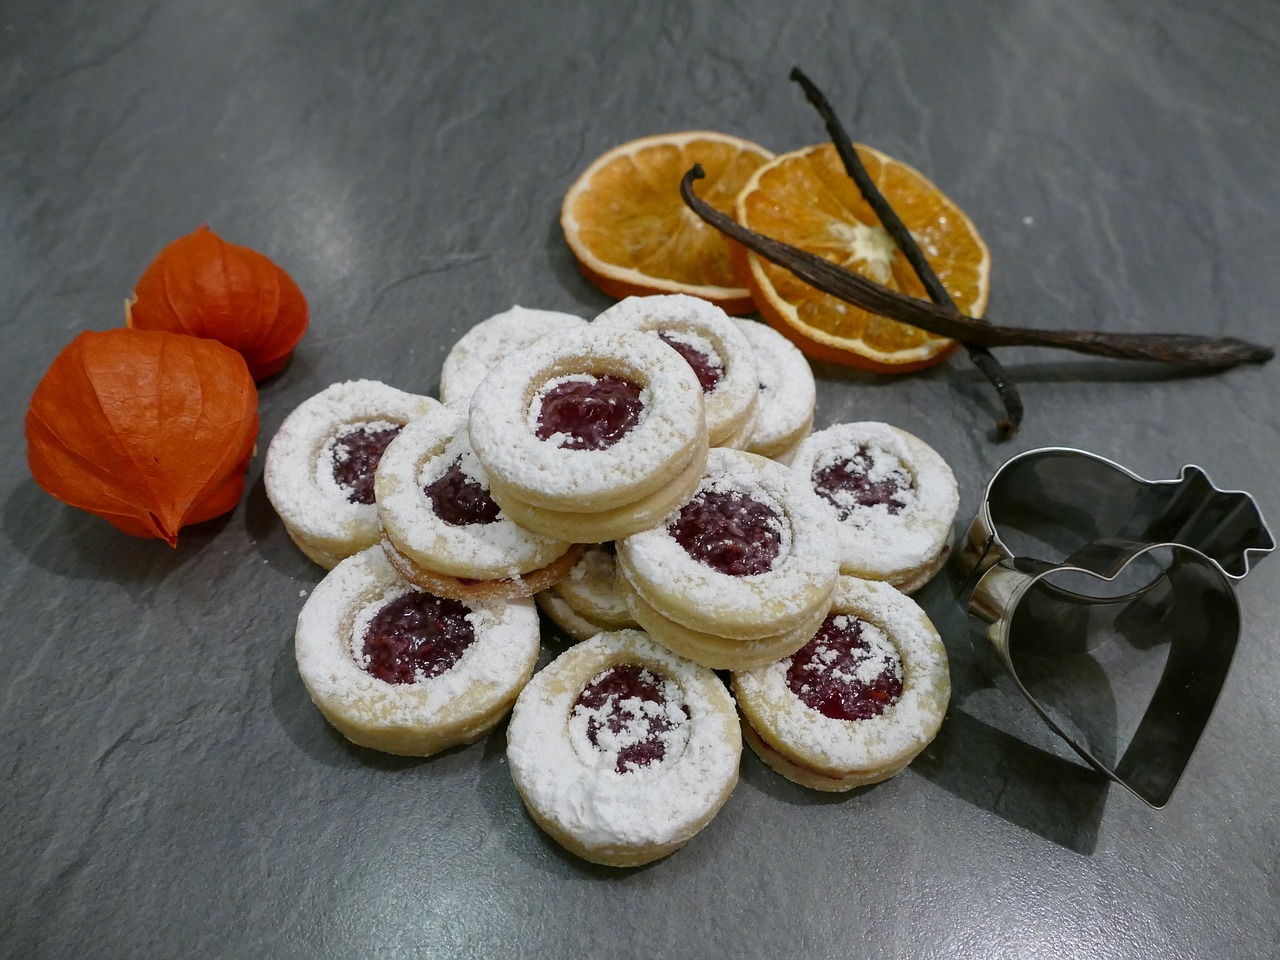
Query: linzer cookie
(859, 701)
(893, 497)
(588, 601)
(788, 394)
(320, 465)
(441, 529)
(401, 670)
(590, 435)
(714, 348)
(621, 750)
(741, 574)
(480, 348)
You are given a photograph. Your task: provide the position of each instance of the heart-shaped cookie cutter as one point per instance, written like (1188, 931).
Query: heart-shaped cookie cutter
(1067, 545)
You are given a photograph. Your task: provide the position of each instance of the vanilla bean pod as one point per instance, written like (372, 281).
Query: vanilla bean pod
(981, 357)
(1184, 349)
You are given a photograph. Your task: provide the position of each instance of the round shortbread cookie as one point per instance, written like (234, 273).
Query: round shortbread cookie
(498, 588)
(592, 588)
(343, 429)
(706, 336)
(892, 496)
(434, 504)
(480, 348)
(574, 625)
(787, 456)
(788, 393)
(623, 751)
(744, 601)
(718, 653)
(662, 428)
(739, 439)
(462, 666)
(602, 526)
(858, 702)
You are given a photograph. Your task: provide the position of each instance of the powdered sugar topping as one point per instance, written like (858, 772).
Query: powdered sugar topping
(628, 719)
(895, 625)
(897, 513)
(423, 452)
(299, 473)
(572, 783)
(480, 348)
(862, 482)
(788, 393)
(330, 636)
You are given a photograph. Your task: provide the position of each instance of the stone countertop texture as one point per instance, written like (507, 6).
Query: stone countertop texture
(169, 788)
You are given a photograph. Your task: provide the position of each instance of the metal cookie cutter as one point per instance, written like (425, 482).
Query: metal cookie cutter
(1073, 552)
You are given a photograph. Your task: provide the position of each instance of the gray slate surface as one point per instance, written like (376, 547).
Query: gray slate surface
(170, 790)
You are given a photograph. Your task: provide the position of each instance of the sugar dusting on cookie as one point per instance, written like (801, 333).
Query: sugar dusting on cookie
(330, 637)
(299, 472)
(899, 626)
(627, 718)
(893, 497)
(581, 792)
(788, 392)
(425, 451)
(503, 415)
(480, 348)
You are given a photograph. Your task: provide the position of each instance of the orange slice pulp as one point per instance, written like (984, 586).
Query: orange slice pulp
(806, 199)
(631, 232)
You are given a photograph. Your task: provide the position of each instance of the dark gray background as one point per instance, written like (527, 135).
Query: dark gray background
(168, 788)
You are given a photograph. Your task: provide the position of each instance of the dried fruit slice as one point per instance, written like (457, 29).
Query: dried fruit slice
(806, 198)
(625, 222)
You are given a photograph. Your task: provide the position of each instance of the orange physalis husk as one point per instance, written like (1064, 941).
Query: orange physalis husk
(149, 430)
(204, 286)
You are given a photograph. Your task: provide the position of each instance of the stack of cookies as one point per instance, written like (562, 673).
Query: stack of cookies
(651, 479)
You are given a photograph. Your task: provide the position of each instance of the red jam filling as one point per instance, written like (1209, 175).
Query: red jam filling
(627, 709)
(590, 414)
(730, 532)
(355, 458)
(460, 501)
(417, 636)
(842, 675)
(850, 479)
(708, 369)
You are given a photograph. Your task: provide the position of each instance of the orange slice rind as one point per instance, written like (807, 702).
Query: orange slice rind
(805, 198)
(631, 233)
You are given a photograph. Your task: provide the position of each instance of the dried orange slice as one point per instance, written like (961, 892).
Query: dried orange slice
(806, 198)
(631, 232)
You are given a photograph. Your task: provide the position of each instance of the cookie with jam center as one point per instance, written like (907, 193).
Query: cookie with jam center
(752, 557)
(441, 528)
(581, 434)
(716, 350)
(404, 671)
(892, 496)
(859, 701)
(623, 751)
(321, 463)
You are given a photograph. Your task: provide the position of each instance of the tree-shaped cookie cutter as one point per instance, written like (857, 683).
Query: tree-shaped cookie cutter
(1067, 544)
